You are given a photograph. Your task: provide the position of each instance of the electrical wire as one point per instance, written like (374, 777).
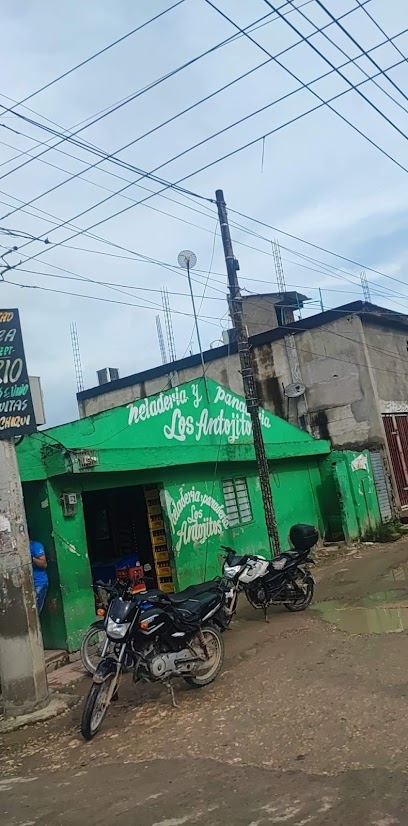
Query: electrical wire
(315, 246)
(174, 185)
(265, 20)
(207, 319)
(290, 328)
(354, 41)
(305, 86)
(131, 98)
(151, 175)
(353, 59)
(362, 6)
(95, 55)
(259, 23)
(236, 241)
(241, 227)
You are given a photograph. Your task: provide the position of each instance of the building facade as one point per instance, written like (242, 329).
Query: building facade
(162, 482)
(350, 362)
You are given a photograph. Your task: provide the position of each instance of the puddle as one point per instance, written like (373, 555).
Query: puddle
(379, 619)
(383, 611)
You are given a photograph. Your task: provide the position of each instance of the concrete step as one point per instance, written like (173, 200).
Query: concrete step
(55, 658)
(67, 676)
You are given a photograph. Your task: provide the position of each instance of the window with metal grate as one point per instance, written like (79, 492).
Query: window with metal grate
(237, 502)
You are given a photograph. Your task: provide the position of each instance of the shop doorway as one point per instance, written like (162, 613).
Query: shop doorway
(125, 534)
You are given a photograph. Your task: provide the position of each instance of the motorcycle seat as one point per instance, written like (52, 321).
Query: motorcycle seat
(181, 596)
(283, 560)
(198, 606)
(194, 591)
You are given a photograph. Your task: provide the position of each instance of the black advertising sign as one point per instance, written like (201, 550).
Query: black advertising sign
(16, 406)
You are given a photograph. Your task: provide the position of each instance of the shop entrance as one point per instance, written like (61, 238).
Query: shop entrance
(125, 535)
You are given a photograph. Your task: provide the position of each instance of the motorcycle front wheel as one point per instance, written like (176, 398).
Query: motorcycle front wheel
(304, 599)
(206, 672)
(230, 610)
(96, 706)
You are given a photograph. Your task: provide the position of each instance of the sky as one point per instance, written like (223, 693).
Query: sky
(316, 177)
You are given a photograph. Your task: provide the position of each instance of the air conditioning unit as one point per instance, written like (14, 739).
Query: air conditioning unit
(107, 374)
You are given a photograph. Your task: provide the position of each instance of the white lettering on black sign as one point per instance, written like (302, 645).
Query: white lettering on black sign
(16, 406)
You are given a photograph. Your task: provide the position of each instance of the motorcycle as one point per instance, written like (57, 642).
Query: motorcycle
(95, 637)
(283, 580)
(163, 636)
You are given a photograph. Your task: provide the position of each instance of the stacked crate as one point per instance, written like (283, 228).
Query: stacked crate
(159, 541)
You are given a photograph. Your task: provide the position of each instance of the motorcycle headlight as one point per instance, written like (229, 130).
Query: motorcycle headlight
(231, 571)
(115, 630)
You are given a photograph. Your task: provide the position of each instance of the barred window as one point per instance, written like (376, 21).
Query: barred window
(237, 503)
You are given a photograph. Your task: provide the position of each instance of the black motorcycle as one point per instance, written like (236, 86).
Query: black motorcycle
(283, 580)
(164, 636)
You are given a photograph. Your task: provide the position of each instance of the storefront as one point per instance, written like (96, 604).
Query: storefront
(156, 487)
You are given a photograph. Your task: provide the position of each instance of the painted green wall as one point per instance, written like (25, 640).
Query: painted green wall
(39, 519)
(73, 566)
(357, 495)
(296, 490)
(179, 427)
(194, 435)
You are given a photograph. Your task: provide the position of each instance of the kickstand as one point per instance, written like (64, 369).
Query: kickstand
(265, 613)
(171, 690)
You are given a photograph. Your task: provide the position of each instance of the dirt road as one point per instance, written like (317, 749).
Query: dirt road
(305, 725)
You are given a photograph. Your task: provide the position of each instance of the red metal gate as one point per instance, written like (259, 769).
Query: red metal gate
(396, 431)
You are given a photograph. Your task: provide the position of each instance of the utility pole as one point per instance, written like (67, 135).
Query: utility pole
(247, 372)
(22, 667)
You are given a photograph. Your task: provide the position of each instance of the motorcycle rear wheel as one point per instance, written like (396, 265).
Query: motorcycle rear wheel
(96, 706)
(304, 601)
(91, 648)
(211, 667)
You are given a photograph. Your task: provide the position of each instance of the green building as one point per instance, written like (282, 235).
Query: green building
(165, 481)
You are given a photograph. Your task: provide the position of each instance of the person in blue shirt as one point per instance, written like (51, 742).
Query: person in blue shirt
(39, 563)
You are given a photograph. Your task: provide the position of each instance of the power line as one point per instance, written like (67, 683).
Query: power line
(150, 175)
(257, 24)
(71, 276)
(174, 185)
(316, 246)
(362, 6)
(93, 56)
(353, 40)
(354, 59)
(75, 276)
(237, 225)
(265, 20)
(131, 98)
(198, 226)
(208, 321)
(297, 78)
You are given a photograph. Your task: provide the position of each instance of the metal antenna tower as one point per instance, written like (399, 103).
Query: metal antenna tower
(366, 288)
(161, 340)
(77, 356)
(168, 323)
(277, 259)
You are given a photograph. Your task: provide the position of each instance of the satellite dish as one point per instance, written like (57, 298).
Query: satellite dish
(293, 391)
